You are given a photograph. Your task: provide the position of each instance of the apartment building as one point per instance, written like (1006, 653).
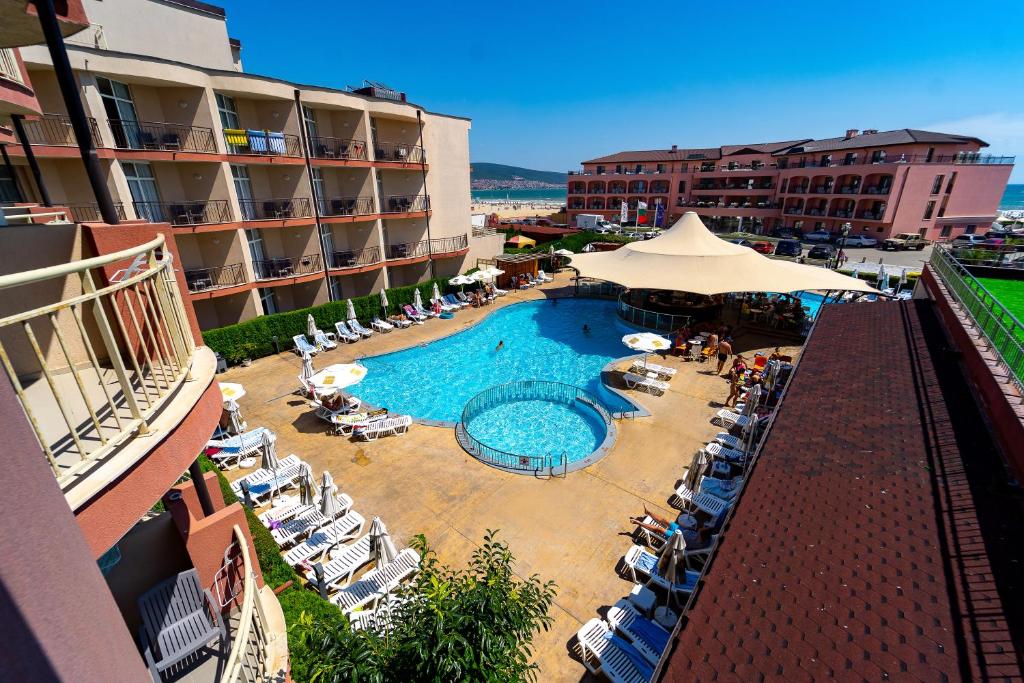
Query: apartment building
(880, 183)
(280, 195)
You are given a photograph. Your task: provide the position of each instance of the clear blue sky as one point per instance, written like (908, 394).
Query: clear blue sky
(549, 84)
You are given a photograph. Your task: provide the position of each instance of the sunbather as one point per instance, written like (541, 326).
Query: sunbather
(696, 538)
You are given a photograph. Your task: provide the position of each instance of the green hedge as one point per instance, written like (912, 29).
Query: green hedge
(254, 338)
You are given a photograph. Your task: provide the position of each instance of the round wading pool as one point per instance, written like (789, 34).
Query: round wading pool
(535, 427)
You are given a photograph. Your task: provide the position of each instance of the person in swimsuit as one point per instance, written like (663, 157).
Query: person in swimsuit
(724, 351)
(500, 346)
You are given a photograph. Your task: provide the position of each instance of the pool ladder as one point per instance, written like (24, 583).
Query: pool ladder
(564, 464)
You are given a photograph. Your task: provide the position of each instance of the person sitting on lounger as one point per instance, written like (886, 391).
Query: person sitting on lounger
(696, 538)
(333, 401)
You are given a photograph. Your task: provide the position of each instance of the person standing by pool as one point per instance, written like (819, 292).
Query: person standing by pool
(724, 351)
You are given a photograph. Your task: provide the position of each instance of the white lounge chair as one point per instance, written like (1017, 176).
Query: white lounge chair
(323, 341)
(344, 424)
(377, 619)
(234, 449)
(729, 441)
(543, 277)
(347, 560)
(729, 419)
(412, 313)
(445, 306)
(398, 424)
(639, 562)
(356, 327)
(302, 345)
(398, 322)
(261, 482)
(717, 450)
(602, 654)
(381, 326)
(500, 292)
(655, 387)
(424, 312)
(301, 526)
(648, 637)
(352, 405)
(663, 372)
(344, 528)
(345, 334)
(378, 582)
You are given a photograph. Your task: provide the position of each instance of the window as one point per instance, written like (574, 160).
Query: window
(120, 110)
(600, 170)
(243, 188)
(826, 159)
(928, 210)
(878, 156)
(618, 168)
(682, 186)
(327, 239)
(639, 168)
(227, 111)
(952, 179)
(145, 196)
(8, 186)
(309, 117)
(969, 230)
(268, 297)
(318, 190)
(336, 290)
(373, 131)
(946, 231)
(850, 159)
(937, 184)
(785, 182)
(930, 155)
(661, 168)
(879, 229)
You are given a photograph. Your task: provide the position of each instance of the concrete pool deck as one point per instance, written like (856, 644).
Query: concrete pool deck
(572, 530)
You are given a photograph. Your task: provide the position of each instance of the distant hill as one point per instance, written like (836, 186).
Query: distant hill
(500, 173)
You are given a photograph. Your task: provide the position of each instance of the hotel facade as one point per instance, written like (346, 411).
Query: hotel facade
(880, 183)
(279, 195)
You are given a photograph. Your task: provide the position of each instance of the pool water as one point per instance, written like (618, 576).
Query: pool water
(540, 428)
(542, 341)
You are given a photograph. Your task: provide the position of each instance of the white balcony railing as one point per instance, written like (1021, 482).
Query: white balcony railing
(96, 353)
(247, 660)
(92, 36)
(9, 66)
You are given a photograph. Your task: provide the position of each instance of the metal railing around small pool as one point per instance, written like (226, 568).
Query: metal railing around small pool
(651, 320)
(528, 390)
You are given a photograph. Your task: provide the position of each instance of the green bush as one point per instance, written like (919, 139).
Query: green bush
(254, 338)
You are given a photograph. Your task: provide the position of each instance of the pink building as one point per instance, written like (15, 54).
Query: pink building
(937, 184)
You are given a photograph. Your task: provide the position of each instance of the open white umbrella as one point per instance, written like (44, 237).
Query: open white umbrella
(384, 302)
(672, 561)
(230, 391)
(646, 342)
(461, 281)
(337, 376)
(350, 310)
(310, 326)
(307, 493)
(494, 271)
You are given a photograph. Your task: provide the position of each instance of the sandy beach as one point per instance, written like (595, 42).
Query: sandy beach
(506, 209)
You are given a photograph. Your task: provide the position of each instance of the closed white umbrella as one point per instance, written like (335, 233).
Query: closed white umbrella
(269, 447)
(384, 302)
(382, 548)
(307, 494)
(882, 280)
(646, 342)
(350, 310)
(307, 366)
(235, 417)
(437, 292)
(672, 561)
(753, 398)
(310, 326)
(329, 506)
(903, 279)
(417, 300)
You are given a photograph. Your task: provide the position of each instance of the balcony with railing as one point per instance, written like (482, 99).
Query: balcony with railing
(347, 206)
(90, 212)
(341, 149)
(286, 267)
(262, 143)
(185, 212)
(271, 209)
(356, 258)
(399, 152)
(449, 245)
(9, 69)
(406, 203)
(162, 137)
(55, 130)
(218, 277)
(891, 158)
(408, 250)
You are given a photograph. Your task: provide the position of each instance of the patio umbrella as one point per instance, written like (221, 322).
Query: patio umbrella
(235, 416)
(229, 391)
(382, 548)
(882, 279)
(646, 342)
(350, 310)
(461, 281)
(563, 252)
(310, 326)
(903, 279)
(753, 398)
(307, 366)
(307, 494)
(329, 507)
(417, 299)
(696, 469)
(437, 292)
(672, 561)
(384, 302)
(337, 376)
(270, 462)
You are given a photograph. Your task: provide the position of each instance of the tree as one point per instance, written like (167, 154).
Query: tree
(472, 624)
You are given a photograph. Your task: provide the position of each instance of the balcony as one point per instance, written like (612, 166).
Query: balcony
(347, 206)
(55, 130)
(9, 69)
(408, 250)
(958, 158)
(162, 137)
(877, 189)
(270, 209)
(90, 213)
(871, 215)
(206, 279)
(399, 152)
(104, 364)
(185, 213)
(355, 259)
(264, 143)
(842, 213)
(449, 245)
(337, 148)
(281, 267)
(406, 203)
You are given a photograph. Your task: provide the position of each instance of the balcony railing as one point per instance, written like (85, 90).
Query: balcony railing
(631, 171)
(337, 148)
(9, 66)
(405, 203)
(355, 259)
(247, 659)
(273, 268)
(204, 279)
(95, 366)
(262, 142)
(268, 209)
(399, 151)
(185, 213)
(168, 137)
(347, 206)
(90, 213)
(959, 158)
(447, 245)
(728, 205)
(409, 250)
(870, 215)
(55, 130)
(875, 189)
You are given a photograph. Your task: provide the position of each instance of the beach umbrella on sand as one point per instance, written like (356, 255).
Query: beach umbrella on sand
(310, 326)
(307, 494)
(350, 310)
(672, 561)
(646, 342)
(384, 301)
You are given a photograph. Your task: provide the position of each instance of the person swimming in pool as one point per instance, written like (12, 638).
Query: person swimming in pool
(500, 346)
(586, 328)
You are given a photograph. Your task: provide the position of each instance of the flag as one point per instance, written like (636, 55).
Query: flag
(659, 215)
(641, 213)
(624, 212)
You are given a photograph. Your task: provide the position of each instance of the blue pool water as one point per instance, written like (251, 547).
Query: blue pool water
(543, 341)
(540, 428)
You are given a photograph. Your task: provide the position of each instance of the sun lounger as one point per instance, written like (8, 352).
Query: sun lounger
(639, 562)
(344, 528)
(411, 312)
(445, 306)
(346, 561)
(424, 312)
(729, 441)
(381, 326)
(377, 619)
(297, 528)
(302, 345)
(344, 424)
(352, 405)
(729, 419)
(604, 653)
(452, 301)
(234, 449)
(344, 333)
(378, 582)
(655, 387)
(544, 277)
(645, 635)
(261, 482)
(717, 450)
(357, 327)
(461, 296)
(398, 322)
(726, 489)
(323, 342)
(398, 424)
(500, 292)
(663, 372)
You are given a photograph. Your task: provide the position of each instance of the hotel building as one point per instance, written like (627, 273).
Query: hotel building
(882, 183)
(279, 195)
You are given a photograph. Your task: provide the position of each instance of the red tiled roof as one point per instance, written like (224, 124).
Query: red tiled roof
(698, 154)
(855, 552)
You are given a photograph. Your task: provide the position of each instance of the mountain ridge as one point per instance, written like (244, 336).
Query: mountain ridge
(486, 176)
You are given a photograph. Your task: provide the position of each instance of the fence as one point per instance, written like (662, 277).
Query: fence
(185, 212)
(1001, 328)
(264, 209)
(55, 130)
(203, 279)
(346, 206)
(447, 245)
(337, 148)
(399, 151)
(86, 213)
(405, 203)
(651, 320)
(514, 392)
(247, 660)
(354, 259)
(150, 135)
(409, 250)
(270, 269)
(93, 368)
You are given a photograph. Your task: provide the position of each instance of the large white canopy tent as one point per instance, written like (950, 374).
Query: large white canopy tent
(690, 258)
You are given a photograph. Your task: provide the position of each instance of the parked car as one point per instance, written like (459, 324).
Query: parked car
(968, 240)
(743, 243)
(788, 248)
(818, 236)
(860, 241)
(821, 252)
(786, 233)
(764, 247)
(905, 241)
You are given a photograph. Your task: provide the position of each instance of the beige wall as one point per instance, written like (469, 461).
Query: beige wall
(355, 236)
(447, 145)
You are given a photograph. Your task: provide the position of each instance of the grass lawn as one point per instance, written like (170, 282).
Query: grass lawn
(1010, 294)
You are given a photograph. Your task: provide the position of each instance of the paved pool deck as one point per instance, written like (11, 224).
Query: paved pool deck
(572, 530)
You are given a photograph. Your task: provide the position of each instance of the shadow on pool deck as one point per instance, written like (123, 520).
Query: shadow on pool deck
(570, 530)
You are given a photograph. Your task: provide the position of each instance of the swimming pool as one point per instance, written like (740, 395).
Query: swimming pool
(542, 341)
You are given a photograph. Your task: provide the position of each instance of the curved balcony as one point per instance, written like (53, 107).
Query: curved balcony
(55, 130)
(409, 250)
(218, 277)
(449, 245)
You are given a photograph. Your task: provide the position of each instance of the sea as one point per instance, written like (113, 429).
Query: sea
(1013, 199)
